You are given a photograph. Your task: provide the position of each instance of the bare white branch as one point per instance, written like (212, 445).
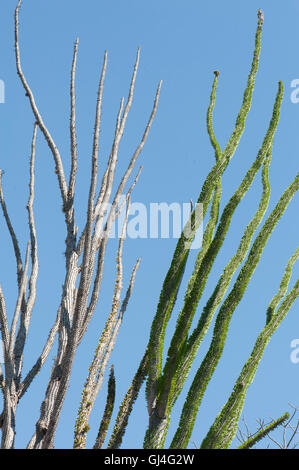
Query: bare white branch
(55, 152)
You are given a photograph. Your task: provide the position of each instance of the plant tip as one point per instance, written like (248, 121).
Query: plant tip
(260, 15)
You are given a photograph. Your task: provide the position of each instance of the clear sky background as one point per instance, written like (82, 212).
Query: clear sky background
(182, 42)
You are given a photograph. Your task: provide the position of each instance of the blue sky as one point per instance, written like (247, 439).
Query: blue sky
(181, 43)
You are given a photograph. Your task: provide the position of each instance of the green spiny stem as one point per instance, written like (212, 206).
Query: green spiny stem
(107, 412)
(127, 404)
(264, 432)
(212, 358)
(174, 276)
(225, 426)
(234, 140)
(214, 214)
(189, 352)
(210, 129)
(208, 233)
(210, 227)
(283, 286)
(177, 346)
